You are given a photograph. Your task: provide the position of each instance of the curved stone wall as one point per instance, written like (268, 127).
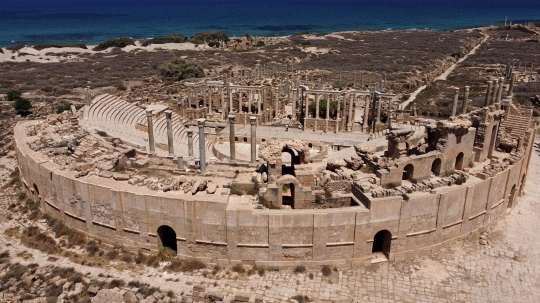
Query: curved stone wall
(228, 229)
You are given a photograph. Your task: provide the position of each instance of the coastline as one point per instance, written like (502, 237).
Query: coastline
(71, 54)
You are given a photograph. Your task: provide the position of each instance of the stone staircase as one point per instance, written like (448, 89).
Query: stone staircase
(517, 122)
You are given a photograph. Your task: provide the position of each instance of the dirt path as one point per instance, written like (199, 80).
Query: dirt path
(445, 74)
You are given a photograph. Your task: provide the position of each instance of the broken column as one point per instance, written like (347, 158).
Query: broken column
(511, 88)
(232, 140)
(168, 115)
(499, 93)
(190, 142)
(488, 93)
(88, 98)
(253, 121)
(351, 102)
(454, 104)
(150, 132)
(202, 153)
(465, 100)
(494, 92)
(180, 162)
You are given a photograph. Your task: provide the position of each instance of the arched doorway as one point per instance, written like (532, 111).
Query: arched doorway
(436, 167)
(408, 172)
(512, 197)
(382, 242)
(289, 157)
(459, 162)
(287, 187)
(167, 236)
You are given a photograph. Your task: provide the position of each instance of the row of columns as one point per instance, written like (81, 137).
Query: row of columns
(495, 89)
(170, 140)
(463, 104)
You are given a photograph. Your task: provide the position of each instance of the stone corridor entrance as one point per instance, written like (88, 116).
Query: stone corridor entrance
(167, 236)
(381, 243)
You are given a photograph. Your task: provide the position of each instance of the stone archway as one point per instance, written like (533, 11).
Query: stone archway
(436, 167)
(291, 194)
(382, 242)
(408, 172)
(167, 237)
(459, 161)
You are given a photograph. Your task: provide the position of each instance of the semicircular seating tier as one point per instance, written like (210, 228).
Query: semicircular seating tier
(120, 119)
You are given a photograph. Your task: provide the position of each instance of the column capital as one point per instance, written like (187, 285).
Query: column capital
(467, 88)
(231, 118)
(200, 122)
(189, 132)
(149, 113)
(168, 114)
(253, 120)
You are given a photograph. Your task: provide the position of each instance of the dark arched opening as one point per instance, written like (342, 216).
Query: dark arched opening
(167, 236)
(459, 161)
(408, 172)
(381, 242)
(436, 167)
(288, 194)
(36, 189)
(245, 139)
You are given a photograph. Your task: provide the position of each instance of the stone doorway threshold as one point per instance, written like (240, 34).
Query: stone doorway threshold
(378, 257)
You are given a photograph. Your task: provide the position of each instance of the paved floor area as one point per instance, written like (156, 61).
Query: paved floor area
(506, 269)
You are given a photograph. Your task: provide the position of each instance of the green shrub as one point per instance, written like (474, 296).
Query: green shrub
(22, 105)
(178, 69)
(13, 95)
(202, 37)
(239, 268)
(259, 44)
(213, 44)
(63, 107)
(15, 48)
(306, 43)
(58, 45)
(118, 42)
(176, 38)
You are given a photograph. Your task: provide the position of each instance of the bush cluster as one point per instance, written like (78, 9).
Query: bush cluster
(118, 42)
(21, 105)
(178, 69)
(205, 37)
(175, 38)
(58, 45)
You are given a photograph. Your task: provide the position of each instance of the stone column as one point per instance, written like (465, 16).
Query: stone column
(251, 98)
(488, 93)
(202, 152)
(180, 162)
(190, 143)
(379, 107)
(253, 121)
(259, 102)
(277, 103)
(168, 115)
(389, 115)
(189, 95)
(316, 106)
(499, 93)
(87, 95)
(454, 105)
(230, 93)
(327, 112)
(338, 113)
(232, 140)
(222, 102)
(150, 132)
(351, 102)
(294, 104)
(365, 123)
(465, 100)
(197, 91)
(511, 88)
(494, 92)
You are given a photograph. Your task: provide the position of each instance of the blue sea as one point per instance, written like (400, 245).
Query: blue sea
(93, 21)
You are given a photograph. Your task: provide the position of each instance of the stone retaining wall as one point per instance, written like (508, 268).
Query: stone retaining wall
(230, 230)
